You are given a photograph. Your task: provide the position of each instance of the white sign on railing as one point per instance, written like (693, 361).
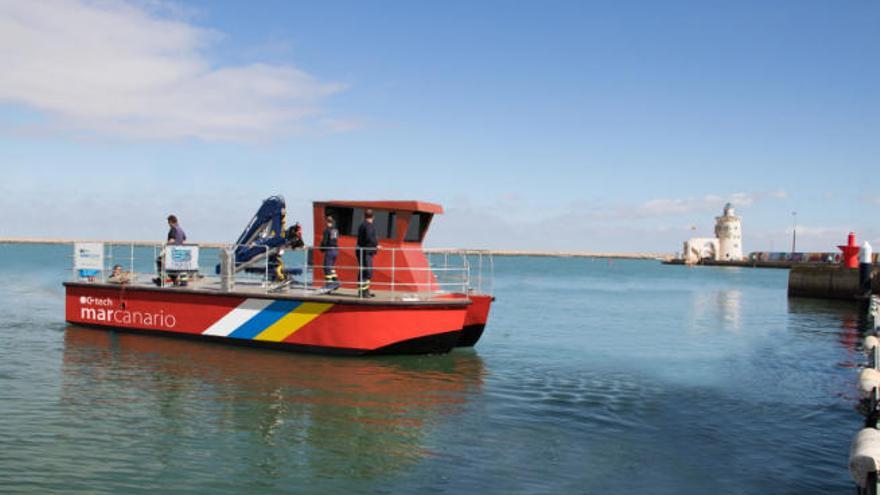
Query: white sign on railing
(181, 258)
(88, 255)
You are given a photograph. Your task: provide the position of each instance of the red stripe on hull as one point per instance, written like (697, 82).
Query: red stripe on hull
(345, 327)
(371, 328)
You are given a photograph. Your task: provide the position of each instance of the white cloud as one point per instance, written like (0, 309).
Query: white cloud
(778, 194)
(119, 214)
(486, 227)
(667, 206)
(513, 222)
(661, 207)
(121, 69)
(836, 233)
(817, 238)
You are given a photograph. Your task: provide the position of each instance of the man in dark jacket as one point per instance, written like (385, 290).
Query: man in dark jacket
(176, 235)
(330, 249)
(367, 244)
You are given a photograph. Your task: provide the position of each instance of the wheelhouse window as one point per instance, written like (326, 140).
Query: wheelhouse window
(418, 225)
(348, 220)
(344, 218)
(384, 223)
(357, 220)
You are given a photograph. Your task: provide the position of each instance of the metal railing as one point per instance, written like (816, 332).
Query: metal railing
(446, 272)
(144, 264)
(398, 273)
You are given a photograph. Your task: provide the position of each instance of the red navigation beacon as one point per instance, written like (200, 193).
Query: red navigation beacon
(850, 252)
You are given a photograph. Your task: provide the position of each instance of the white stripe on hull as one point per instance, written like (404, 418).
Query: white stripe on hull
(237, 317)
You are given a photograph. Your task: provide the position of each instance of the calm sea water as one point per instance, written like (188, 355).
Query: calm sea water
(592, 377)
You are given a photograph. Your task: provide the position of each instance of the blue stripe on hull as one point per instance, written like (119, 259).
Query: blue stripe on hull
(264, 319)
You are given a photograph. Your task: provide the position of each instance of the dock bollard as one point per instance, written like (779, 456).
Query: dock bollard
(864, 460)
(874, 311)
(866, 256)
(869, 381)
(872, 348)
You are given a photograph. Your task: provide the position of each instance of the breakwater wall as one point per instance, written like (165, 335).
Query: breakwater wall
(38, 240)
(831, 282)
(565, 254)
(494, 252)
(743, 263)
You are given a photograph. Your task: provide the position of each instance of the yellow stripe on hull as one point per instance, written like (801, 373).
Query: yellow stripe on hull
(293, 321)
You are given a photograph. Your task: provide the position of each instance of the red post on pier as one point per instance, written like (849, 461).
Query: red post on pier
(850, 252)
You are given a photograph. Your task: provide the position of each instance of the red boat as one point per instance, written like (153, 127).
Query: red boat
(256, 297)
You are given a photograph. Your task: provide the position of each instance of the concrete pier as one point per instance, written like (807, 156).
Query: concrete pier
(829, 282)
(746, 263)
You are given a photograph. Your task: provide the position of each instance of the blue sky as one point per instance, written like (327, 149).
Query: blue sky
(538, 125)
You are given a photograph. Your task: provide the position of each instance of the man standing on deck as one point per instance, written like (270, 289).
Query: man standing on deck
(367, 245)
(330, 249)
(176, 235)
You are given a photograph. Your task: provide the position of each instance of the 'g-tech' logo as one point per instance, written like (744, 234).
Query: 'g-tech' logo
(85, 253)
(95, 301)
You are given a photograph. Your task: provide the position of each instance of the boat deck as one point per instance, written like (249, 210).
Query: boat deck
(211, 286)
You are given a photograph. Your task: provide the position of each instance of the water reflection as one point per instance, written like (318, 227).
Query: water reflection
(721, 306)
(729, 305)
(331, 416)
(848, 319)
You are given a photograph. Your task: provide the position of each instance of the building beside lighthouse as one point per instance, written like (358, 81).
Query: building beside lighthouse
(725, 246)
(728, 230)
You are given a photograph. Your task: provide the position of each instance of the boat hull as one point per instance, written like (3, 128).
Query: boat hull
(327, 326)
(475, 319)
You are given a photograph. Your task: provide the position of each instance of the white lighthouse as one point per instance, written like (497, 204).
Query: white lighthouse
(728, 230)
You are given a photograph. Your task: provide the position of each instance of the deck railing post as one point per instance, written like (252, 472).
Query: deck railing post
(480, 276)
(108, 260)
(306, 267)
(491, 274)
(392, 272)
(876, 358)
(445, 261)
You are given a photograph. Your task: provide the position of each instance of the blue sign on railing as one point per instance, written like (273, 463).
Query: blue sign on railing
(88, 256)
(182, 258)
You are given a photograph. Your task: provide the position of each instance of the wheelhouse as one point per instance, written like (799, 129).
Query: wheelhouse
(401, 227)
